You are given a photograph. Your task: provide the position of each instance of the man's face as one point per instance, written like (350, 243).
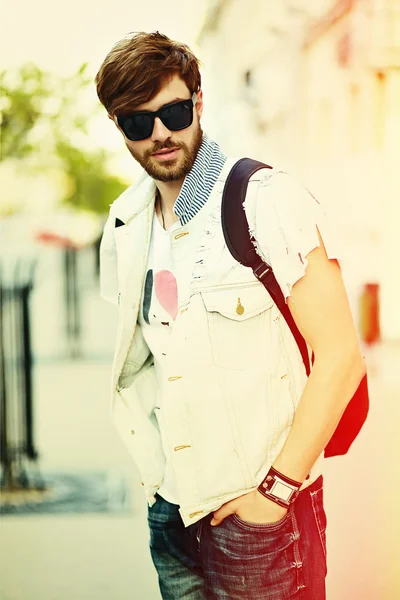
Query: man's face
(186, 141)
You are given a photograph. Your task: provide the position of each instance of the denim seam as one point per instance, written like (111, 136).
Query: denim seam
(297, 555)
(291, 383)
(198, 535)
(317, 519)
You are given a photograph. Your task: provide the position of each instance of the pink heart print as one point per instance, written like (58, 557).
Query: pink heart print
(167, 291)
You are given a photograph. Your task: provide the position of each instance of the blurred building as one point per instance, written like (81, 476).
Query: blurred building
(314, 86)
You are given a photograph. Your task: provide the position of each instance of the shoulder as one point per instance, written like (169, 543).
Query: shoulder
(281, 197)
(134, 198)
(280, 182)
(284, 218)
(121, 200)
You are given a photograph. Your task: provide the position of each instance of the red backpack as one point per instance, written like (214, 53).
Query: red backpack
(238, 241)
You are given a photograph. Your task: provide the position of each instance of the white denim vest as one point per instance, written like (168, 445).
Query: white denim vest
(234, 376)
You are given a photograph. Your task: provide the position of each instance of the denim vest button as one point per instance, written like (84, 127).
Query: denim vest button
(239, 308)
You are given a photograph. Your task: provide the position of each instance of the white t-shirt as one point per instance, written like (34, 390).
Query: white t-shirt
(157, 315)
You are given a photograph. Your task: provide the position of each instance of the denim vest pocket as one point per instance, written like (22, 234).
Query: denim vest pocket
(237, 320)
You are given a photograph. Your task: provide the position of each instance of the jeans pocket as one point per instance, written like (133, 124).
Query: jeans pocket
(246, 540)
(249, 526)
(250, 560)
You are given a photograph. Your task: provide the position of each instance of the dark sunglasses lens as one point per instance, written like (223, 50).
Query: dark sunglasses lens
(177, 116)
(136, 127)
(140, 126)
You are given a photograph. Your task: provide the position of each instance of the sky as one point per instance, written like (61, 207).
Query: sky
(60, 36)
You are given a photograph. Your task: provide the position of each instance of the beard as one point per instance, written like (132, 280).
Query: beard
(171, 170)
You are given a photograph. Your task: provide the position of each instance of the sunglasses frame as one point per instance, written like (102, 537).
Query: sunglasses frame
(157, 113)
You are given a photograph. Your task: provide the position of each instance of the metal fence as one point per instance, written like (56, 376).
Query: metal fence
(17, 443)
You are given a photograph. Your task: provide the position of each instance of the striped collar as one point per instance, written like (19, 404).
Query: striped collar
(199, 182)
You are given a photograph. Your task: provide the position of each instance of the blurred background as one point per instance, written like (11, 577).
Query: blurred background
(310, 85)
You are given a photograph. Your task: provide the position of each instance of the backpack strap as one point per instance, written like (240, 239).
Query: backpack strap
(240, 242)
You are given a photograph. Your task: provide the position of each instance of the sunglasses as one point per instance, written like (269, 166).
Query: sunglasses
(175, 116)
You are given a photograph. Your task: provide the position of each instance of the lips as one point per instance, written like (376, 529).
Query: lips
(165, 151)
(167, 154)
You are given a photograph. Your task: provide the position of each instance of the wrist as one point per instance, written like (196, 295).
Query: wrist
(279, 488)
(268, 506)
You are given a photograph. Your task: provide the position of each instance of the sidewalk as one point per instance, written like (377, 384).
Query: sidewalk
(76, 557)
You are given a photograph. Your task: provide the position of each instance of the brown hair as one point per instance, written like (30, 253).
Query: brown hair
(138, 66)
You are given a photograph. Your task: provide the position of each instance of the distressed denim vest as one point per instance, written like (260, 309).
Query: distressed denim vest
(234, 373)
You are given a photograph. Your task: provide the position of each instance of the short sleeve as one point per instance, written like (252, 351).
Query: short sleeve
(283, 217)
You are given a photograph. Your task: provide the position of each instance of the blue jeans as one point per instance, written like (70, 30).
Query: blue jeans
(238, 560)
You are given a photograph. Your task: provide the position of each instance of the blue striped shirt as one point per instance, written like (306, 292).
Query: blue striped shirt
(201, 179)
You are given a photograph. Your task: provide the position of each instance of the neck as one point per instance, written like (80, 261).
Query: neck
(169, 191)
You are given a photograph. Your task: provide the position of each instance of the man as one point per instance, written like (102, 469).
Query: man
(209, 391)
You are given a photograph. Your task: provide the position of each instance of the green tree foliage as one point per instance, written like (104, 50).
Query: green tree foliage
(91, 188)
(21, 107)
(42, 128)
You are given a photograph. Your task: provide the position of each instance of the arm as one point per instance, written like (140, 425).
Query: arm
(321, 311)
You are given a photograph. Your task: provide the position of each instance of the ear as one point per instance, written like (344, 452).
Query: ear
(114, 120)
(199, 103)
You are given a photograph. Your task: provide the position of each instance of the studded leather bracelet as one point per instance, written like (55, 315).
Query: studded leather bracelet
(279, 488)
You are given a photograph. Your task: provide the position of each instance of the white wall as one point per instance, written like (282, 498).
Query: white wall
(328, 123)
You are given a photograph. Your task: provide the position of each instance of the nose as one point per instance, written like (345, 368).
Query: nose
(160, 132)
